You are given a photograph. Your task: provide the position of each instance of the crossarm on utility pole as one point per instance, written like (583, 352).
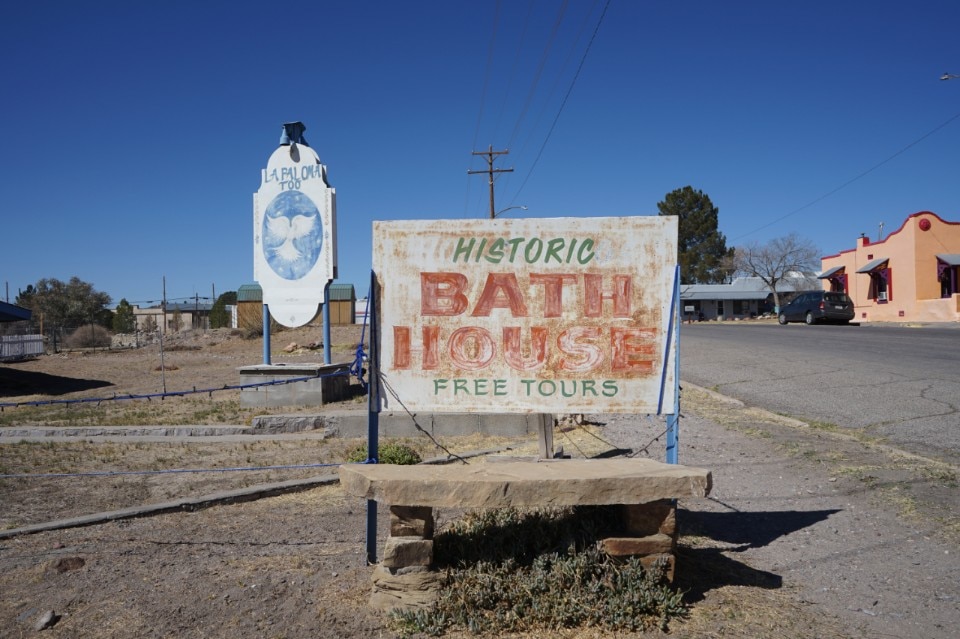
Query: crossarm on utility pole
(491, 154)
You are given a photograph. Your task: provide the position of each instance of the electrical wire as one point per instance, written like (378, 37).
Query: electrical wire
(483, 96)
(566, 97)
(851, 180)
(539, 73)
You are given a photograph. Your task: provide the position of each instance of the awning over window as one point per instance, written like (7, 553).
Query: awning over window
(950, 259)
(875, 265)
(836, 270)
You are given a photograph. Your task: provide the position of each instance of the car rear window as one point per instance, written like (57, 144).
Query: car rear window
(836, 298)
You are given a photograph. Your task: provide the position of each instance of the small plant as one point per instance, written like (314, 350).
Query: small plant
(540, 570)
(399, 454)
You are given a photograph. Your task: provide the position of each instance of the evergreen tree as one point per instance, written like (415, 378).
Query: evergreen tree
(124, 321)
(219, 316)
(702, 248)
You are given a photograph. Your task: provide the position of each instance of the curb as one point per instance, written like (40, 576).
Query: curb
(189, 504)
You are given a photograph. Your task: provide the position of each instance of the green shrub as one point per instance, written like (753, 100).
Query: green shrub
(399, 454)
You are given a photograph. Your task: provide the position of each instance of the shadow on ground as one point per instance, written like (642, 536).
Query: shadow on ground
(17, 383)
(750, 529)
(703, 569)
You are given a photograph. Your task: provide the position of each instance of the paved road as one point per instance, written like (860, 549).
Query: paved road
(896, 382)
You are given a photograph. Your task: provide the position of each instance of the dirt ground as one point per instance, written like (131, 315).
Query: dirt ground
(807, 533)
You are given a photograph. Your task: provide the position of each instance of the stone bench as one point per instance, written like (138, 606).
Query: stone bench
(645, 490)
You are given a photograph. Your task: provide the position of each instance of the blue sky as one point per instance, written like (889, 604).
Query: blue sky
(133, 133)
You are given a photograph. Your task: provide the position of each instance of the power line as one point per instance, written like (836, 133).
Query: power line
(851, 180)
(536, 78)
(483, 93)
(566, 97)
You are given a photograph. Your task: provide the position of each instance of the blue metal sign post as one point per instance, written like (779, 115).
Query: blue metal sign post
(673, 346)
(373, 405)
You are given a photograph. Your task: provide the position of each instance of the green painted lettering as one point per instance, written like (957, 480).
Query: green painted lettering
(495, 254)
(554, 247)
(464, 250)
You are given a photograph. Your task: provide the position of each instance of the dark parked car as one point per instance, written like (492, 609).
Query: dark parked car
(818, 306)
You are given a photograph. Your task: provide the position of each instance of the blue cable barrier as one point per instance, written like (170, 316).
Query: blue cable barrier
(356, 369)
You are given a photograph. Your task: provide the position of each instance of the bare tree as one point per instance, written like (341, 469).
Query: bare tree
(783, 259)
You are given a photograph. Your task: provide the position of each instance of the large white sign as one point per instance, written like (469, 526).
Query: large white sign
(294, 233)
(567, 315)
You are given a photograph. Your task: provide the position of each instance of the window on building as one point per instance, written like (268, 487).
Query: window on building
(838, 283)
(948, 275)
(881, 279)
(881, 286)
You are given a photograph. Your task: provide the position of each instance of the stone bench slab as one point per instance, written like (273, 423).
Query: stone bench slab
(566, 482)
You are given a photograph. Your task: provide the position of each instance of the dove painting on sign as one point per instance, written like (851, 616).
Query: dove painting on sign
(292, 235)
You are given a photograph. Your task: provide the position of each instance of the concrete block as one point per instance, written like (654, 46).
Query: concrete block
(326, 381)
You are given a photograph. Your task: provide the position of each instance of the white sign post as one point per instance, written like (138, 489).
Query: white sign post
(566, 315)
(294, 230)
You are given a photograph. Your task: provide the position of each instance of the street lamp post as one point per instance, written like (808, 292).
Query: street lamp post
(497, 214)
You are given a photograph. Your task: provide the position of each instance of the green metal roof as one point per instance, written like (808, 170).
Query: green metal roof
(250, 293)
(340, 292)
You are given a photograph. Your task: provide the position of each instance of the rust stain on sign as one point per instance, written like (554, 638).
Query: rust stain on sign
(526, 315)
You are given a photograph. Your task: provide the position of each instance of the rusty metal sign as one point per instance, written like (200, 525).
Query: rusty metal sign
(564, 315)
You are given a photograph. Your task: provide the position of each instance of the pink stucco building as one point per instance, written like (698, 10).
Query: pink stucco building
(909, 276)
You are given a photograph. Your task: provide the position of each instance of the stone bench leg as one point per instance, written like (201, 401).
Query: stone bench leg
(404, 579)
(650, 534)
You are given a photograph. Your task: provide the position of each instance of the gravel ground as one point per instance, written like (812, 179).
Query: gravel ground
(807, 533)
(784, 504)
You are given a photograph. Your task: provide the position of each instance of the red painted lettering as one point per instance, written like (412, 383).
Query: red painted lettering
(402, 348)
(471, 348)
(442, 293)
(501, 291)
(593, 295)
(513, 352)
(580, 355)
(632, 350)
(552, 291)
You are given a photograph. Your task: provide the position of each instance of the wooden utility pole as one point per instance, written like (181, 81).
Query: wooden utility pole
(491, 154)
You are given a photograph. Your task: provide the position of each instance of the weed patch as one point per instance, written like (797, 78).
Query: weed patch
(511, 570)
